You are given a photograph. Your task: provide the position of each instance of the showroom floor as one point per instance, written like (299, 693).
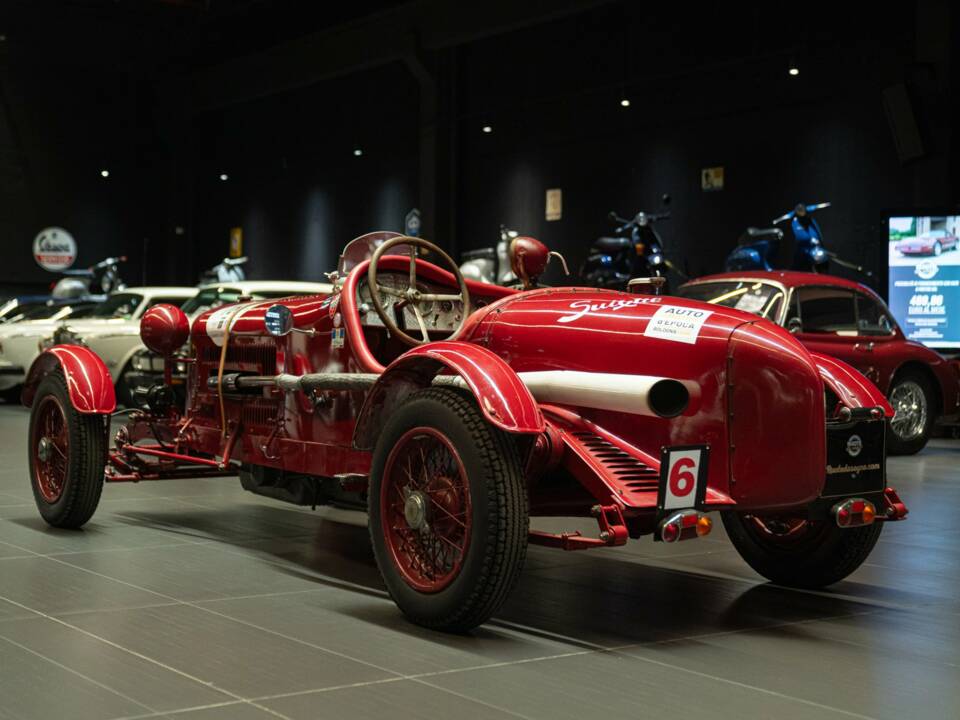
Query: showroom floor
(194, 599)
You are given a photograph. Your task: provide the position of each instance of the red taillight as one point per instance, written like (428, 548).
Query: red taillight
(685, 525)
(855, 512)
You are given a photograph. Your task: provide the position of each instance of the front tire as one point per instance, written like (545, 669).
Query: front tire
(911, 396)
(448, 511)
(67, 454)
(799, 552)
(937, 249)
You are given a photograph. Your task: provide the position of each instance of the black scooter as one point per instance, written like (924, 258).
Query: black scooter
(635, 250)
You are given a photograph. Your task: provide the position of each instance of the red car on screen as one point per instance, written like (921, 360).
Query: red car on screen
(848, 321)
(932, 243)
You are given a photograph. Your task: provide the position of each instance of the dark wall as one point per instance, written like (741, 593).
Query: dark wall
(707, 87)
(558, 122)
(295, 186)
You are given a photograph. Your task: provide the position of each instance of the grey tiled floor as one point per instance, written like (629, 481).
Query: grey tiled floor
(193, 599)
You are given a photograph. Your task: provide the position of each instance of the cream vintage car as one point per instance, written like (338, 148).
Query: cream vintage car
(119, 344)
(116, 319)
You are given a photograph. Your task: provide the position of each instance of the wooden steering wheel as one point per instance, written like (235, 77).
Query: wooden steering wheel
(411, 295)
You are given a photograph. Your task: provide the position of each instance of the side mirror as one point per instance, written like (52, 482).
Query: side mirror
(665, 199)
(613, 215)
(278, 320)
(794, 325)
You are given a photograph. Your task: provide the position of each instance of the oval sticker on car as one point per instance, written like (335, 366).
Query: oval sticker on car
(854, 445)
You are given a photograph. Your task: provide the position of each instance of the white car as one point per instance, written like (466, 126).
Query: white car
(116, 320)
(120, 347)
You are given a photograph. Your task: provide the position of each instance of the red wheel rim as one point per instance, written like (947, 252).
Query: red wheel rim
(425, 509)
(51, 443)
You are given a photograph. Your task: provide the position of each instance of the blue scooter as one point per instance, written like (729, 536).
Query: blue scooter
(766, 248)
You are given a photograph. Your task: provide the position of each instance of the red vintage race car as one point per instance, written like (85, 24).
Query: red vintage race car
(454, 411)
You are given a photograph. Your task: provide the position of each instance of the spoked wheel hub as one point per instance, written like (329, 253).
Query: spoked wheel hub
(425, 509)
(910, 410)
(51, 449)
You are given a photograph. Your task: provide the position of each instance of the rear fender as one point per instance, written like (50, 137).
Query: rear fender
(88, 380)
(852, 387)
(502, 397)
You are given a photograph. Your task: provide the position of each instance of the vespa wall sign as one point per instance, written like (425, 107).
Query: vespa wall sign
(54, 249)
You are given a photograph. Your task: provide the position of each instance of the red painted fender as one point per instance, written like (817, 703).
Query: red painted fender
(852, 387)
(503, 398)
(88, 380)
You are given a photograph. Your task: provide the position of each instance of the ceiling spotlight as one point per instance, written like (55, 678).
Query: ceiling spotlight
(224, 177)
(624, 103)
(794, 70)
(487, 129)
(104, 173)
(357, 152)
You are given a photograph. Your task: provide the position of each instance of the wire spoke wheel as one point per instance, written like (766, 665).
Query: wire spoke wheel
(67, 452)
(910, 410)
(448, 510)
(426, 513)
(51, 445)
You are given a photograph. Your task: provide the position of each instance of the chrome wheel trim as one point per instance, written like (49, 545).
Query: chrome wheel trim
(910, 410)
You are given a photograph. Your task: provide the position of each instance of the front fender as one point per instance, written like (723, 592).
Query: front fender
(502, 397)
(853, 388)
(88, 380)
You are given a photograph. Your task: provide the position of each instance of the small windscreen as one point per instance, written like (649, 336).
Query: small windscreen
(751, 296)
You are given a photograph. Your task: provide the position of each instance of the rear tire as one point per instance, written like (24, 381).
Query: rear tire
(820, 553)
(912, 398)
(67, 453)
(448, 511)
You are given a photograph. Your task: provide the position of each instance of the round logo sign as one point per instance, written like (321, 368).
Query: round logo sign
(926, 270)
(854, 445)
(54, 249)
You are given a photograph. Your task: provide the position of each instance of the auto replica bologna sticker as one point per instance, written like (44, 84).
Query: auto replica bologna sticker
(680, 324)
(683, 477)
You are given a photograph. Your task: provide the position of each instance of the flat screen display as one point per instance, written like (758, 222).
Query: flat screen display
(924, 272)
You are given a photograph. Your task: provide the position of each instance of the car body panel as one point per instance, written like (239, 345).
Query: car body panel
(879, 357)
(88, 381)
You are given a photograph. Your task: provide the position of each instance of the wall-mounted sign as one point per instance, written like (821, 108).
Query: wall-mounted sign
(411, 223)
(54, 249)
(711, 179)
(554, 204)
(236, 242)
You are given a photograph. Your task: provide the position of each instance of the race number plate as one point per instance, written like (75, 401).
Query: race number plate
(683, 477)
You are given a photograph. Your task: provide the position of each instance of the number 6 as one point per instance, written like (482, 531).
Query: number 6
(682, 481)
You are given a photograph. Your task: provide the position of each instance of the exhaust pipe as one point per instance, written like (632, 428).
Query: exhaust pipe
(636, 394)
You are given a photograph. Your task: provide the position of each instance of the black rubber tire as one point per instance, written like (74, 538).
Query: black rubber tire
(827, 554)
(11, 396)
(896, 446)
(86, 458)
(500, 516)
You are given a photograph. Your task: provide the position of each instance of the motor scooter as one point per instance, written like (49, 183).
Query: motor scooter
(227, 270)
(491, 264)
(769, 248)
(634, 250)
